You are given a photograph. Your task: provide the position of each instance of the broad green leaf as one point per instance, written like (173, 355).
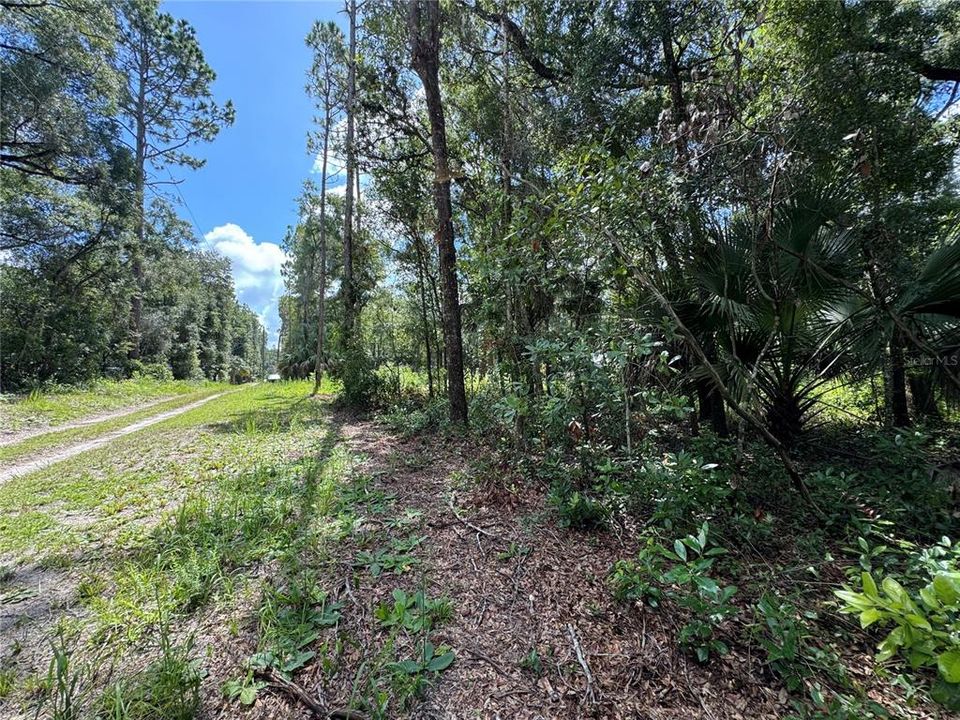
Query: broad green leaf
(411, 667)
(948, 664)
(870, 616)
(945, 589)
(248, 694)
(441, 662)
(919, 621)
(929, 598)
(894, 590)
(680, 549)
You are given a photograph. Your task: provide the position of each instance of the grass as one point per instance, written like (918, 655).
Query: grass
(56, 439)
(136, 476)
(59, 405)
(183, 511)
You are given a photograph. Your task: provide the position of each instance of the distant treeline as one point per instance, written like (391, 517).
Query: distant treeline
(98, 274)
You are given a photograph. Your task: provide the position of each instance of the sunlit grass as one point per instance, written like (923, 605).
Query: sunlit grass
(172, 520)
(56, 406)
(55, 439)
(101, 491)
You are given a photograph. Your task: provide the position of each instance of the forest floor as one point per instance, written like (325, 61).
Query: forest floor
(264, 553)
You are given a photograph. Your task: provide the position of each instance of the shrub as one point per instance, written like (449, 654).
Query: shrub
(577, 508)
(681, 575)
(158, 371)
(926, 621)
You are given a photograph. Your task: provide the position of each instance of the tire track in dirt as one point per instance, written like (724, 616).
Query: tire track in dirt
(15, 436)
(25, 468)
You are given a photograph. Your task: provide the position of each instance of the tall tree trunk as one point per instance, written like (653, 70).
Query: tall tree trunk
(321, 300)
(422, 281)
(136, 254)
(263, 354)
(897, 384)
(424, 25)
(349, 299)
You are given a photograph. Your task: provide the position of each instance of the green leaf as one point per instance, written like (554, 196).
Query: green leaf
(297, 661)
(948, 664)
(869, 586)
(248, 694)
(411, 667)
(894, 591)
(946, 589)
(947, 694)
(855, 601)
(929, 598)
(919, 621)
(680, 549)
(870, 616)
(441, 662)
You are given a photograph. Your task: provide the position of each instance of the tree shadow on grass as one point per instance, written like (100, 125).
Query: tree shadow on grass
(200, 553)
(275, 415)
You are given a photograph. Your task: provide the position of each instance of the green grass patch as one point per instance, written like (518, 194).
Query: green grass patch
(62, 404)
(56, 439)
(248, 478)
(138, 476)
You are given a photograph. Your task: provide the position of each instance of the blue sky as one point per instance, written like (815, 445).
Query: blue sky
(243, 199)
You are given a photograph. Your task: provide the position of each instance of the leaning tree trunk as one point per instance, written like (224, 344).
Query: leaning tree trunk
(424, 26)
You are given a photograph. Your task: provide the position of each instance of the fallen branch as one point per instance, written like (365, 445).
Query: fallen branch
(488, 660)
(297, 692)
(467, 523)
(581, 658)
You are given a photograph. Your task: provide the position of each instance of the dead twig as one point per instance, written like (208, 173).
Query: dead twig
(467, 523)
(581, 658)
(488, 660)
(295, 691)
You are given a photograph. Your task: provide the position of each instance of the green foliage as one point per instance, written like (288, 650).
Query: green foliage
(65, 679)
(168, 688)
(396, 559)
(926, 620)
(783, 636)
(413, 612)
(8, 680)
(431, 660)
(531, 662)
(361, 386)
(683, 576)
(576, 508)
(290, 621)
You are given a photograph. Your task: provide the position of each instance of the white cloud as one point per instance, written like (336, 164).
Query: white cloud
(256, 269)
(232, 241)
